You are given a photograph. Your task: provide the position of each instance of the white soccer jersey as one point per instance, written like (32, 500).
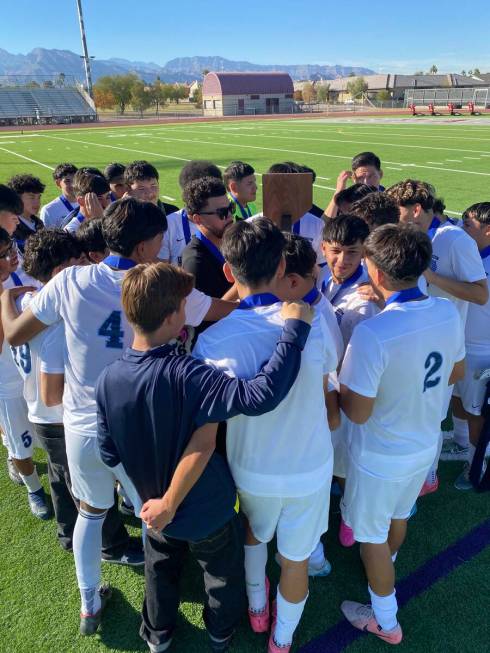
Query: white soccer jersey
(403, 357)
(53, 213)
(74, 225)
(28, 358)
(324, 307)
(350, 308)
(288, 451)
(88, 300)
(478, 320)
(179, 233)
(455, 255)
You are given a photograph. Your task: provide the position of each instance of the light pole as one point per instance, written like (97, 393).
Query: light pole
(85, 56)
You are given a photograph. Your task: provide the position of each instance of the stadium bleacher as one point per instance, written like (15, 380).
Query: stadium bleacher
(23, 105)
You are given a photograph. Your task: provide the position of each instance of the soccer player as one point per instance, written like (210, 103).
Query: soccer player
(345, 199)
(114, 173)
(365, 169)
(469, 393)
(87, 300)
(188, 504)
(376, 209)
(91, 240)
(47, 253)
(283, 480)
(10, 208)
(29, 189)
(16, 429)
(393, 385)
(53, 213)
(180, 227)
(241, 184)
(456, 271)
(93, 196)
(142, 180)
(209, 208)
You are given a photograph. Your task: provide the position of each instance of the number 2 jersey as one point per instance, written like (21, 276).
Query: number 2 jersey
(403, 357)
(88, 300)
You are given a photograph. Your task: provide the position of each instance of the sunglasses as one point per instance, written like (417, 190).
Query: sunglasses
(222, 213)
(8, 252)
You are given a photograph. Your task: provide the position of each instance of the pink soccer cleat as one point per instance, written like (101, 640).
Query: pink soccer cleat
(259, 621)
(362, 617)
(428, 488)
(273, 647)
(346, 536)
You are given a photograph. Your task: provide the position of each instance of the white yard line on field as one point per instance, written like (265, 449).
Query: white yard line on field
(21, 156)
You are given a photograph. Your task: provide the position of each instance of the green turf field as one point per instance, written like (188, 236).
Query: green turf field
(455, 157)
(38, 591)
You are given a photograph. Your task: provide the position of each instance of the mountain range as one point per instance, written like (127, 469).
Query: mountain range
(41, 61)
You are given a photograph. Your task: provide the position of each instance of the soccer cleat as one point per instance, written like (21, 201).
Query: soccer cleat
(133, 556)
(38, 504)
(273, 646)
(452, 451)
(89, 623)
(346, 535)
(362, 617)
(259, 621)
(463, 481)
(319, 572)
(220, 645)
(13, 473)
(429, 488)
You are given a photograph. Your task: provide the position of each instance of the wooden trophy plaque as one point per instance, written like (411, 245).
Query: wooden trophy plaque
(286, 197)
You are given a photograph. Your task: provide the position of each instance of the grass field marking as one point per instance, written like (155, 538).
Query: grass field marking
(167, 197)
(391, 168)
(453, 212)
(44, 165)
(332, 156)
(457, 160)
(336, 140)
(475, 158)
(324, 178)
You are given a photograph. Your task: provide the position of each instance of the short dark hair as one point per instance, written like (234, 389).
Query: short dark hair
(236, 171)
(354, 193)
(345, 230)
(479, 211)
(26, 184)
(86, 182)
(303, 168)
(253, 250)
(439, 207)
(113, 171)
(10, 200)
(63, 169)
(412, 191)
(140, 170)
(91, 170)
(46, 249)
(128, 222)
(287, 167)
(376, 209)
(401, 251)
(299, 255)
(151, 292)
(196, 170)
(90, 236)
(197, 193)
(366, 159)
(5, 237)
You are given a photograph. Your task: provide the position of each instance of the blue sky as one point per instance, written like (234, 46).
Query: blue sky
(383, 35)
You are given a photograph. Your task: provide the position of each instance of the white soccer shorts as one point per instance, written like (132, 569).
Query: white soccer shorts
(471, 390)
(18, 435)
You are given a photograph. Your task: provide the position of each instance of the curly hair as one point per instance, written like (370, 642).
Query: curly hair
(198, 192)
(26, 184)
(411, 191)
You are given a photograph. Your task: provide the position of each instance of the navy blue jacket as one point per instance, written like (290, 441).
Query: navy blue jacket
(150, 403)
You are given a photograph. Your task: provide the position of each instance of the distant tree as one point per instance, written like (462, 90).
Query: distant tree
(103, 98)
(298, 95)
(205, 72)
(179, 92)
(433, 69)
(157, 94)
(48, 83)
(351, 74)
(140, 97)
(476, 72)
(120, 86)
(470, 73)
(357, 87)
(323, 93)
(419, 72)
(197, 97)
(463, 72)
(309, 93)
(383, 96)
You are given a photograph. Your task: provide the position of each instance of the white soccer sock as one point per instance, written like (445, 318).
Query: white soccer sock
(385, 609)
(255, 561)
(32, 482)
(461, 432)
(87, 548)
(288, 618)
(471, 453)
(317, 558)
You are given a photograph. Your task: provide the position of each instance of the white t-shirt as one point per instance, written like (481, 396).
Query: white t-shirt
(326, 309)
(403, 357)
(478, 322)
(311, 228)
(28, 359)
(53, 213)
(288, 451)
(176, 238)
(455, 255)
(350, 308)
(88, 300)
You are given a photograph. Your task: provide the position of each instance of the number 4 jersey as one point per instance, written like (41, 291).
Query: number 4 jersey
(88, 300)
(403, 357)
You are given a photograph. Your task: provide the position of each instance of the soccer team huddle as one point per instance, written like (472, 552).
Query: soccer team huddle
(217, 377)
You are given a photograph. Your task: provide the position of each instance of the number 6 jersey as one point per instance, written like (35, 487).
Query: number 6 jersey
(403, 357)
